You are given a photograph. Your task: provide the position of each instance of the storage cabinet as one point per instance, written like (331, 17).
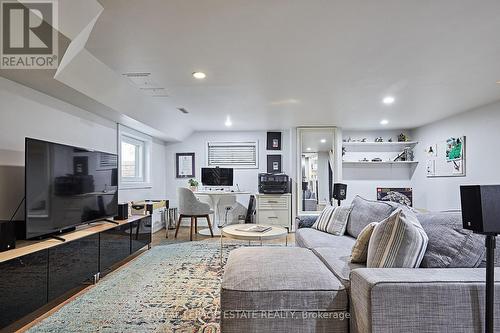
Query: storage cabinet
(71, 264)
(23, 286)
(274, 209)
(53, 268)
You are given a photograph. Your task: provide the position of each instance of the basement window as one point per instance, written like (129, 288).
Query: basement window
(239, 155)
(134, 150)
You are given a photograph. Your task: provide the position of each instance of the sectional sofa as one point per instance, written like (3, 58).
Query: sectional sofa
(314, 287)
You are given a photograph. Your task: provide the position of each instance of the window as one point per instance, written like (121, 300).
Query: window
(243, 155)
(135, 155)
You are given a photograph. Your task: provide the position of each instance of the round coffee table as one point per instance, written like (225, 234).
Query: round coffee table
(231, 231)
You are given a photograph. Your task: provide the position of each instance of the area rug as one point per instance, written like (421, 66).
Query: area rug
(170, 288)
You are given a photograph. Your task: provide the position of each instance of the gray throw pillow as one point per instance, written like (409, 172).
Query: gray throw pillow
(365, 212)
(450, 246)
(333, 220)
(399, 241)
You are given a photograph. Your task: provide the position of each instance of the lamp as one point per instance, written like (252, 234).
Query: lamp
(481, 214)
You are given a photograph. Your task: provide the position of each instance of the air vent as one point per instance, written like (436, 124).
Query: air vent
(136, 74)
(155, 92)
(183, 110)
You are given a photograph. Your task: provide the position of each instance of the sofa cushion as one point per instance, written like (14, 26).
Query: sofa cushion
(359, 252)
(397, 242)
(450, 246)
(340, 265)
(365, 212)
(333, 220)
(312, 238)
(277, 279)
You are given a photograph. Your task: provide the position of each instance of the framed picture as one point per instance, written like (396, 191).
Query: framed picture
(402, 196)
(184, 165)
(274, 164)
(447, 158)
(273, 140)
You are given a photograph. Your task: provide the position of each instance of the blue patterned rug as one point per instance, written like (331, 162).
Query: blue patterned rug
(170, 288)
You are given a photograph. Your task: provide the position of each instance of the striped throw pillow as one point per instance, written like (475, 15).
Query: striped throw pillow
(333, 220)
(399, 241)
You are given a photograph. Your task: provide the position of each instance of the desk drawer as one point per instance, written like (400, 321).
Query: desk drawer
(274, 218)
(273, 202)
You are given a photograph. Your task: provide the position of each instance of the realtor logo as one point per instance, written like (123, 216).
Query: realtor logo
(29, 34)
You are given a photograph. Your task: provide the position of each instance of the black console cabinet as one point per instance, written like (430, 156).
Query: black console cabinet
(52, 269)
(71, 264)
(115, 246)
(23, 286)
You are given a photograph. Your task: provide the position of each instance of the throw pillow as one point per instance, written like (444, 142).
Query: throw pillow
(450, 246)
(365, 212)
(360, 248)
(333, 220)
(399, 241)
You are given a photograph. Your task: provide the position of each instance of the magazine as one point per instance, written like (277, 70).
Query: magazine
(255, 228)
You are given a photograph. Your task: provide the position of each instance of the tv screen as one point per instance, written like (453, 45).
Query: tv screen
(217, 176)
(67, 186)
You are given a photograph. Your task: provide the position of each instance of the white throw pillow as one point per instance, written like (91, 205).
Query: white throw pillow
(333, 220)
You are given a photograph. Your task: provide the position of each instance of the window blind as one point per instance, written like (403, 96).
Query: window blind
(233, 154)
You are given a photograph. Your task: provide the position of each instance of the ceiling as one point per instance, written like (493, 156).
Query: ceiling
(317, 140)
(285, 63)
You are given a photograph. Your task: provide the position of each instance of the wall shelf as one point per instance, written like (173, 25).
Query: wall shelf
(380, 144)
(379, 163)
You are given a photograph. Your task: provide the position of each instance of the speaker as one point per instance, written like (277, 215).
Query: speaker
(481, 208)
(339, 191)
(7, 235)
(149, 208)
(122, 211)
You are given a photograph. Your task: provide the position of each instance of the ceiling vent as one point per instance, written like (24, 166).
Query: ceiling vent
(155, 92)
(183, 110)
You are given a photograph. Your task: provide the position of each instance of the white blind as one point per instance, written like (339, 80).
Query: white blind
(233, 154)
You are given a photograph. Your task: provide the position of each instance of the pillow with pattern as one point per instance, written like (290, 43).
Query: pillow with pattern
(333, 220)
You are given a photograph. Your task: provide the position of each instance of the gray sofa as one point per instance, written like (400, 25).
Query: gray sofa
(315, 288)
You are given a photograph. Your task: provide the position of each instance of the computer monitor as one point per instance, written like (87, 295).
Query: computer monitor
(217, 176)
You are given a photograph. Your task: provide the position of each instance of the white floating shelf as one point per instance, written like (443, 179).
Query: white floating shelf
(381, 144)
(379, 163)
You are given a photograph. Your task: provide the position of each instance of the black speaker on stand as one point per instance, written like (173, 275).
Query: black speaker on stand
(481, 214)
(339, 192)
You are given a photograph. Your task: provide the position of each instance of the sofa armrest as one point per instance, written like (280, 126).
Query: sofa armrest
(419, 300)
(305, 221)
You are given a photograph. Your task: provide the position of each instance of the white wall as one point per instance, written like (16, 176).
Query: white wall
(247, 179)
(25, 112)
(362, 179)
(482, 130)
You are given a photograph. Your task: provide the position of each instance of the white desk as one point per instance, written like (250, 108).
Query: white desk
(215, 197)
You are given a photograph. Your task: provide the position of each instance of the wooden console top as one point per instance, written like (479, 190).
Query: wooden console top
(24, 247)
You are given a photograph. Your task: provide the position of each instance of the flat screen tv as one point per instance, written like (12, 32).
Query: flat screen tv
(67, 186)
(217, 176)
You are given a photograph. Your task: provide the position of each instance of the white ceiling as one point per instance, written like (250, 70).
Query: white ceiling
(274, 64)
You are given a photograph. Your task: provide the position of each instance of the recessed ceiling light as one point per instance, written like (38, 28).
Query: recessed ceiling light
(308, 149)
(199, 75)
(384, 122)
(388, 100)
(228, 122)
(323, 140)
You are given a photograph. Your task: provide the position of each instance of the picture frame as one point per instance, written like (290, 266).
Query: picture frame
(274, 164)
(273, 141)
(185, 165)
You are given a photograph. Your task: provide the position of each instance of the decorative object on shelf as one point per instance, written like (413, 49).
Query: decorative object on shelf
(402, 196)
(376, 159)
(447, 158)
(363, 140)
(193, 184)
(274, 164)
(405, 155)
(403, 138)
(379, 139)
(344, 150)
(184, 165)
(389, 140)
(273, 140)
(364, 160)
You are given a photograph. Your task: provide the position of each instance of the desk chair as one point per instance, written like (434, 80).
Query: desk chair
(190, 206)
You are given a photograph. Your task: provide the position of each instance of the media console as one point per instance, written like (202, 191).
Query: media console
(38, 272)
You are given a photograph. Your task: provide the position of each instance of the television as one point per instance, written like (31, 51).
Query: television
(67, 186)
(217, 176)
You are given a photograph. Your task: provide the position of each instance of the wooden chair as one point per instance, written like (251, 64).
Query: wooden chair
(191, 207)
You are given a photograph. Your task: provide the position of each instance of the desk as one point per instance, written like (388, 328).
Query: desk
(215, 197)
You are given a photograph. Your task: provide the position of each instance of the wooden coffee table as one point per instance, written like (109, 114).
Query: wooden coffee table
(231, 231)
